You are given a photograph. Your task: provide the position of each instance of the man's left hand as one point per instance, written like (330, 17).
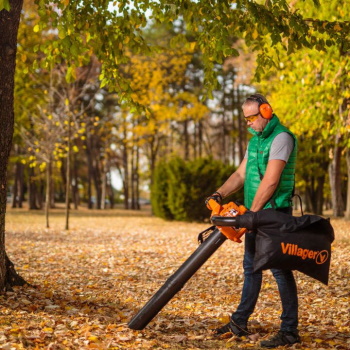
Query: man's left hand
(216, 196)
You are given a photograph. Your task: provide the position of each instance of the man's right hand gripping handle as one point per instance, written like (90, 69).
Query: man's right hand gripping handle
(216, 196)
(225, 218)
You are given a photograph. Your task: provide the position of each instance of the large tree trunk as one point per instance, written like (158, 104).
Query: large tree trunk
(9, 22)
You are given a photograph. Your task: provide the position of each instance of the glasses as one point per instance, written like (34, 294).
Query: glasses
(252, 118)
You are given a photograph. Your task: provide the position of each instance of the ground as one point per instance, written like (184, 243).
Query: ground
(88, 282)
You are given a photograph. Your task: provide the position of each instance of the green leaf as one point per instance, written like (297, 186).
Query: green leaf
(62, 33)
(74, 50)
(5, 5)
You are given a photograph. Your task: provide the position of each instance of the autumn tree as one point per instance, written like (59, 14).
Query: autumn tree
(9, 22)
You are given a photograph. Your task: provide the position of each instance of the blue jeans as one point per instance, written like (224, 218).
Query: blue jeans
(252, 285)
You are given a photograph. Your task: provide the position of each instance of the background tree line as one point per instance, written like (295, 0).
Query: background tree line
(67, 117)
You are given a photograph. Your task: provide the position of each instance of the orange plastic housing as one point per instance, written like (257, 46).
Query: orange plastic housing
(231, 210)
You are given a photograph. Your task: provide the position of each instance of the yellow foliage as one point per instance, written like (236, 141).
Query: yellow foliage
(157, 82)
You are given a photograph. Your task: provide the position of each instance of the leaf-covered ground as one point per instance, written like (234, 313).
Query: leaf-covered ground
(88, 282)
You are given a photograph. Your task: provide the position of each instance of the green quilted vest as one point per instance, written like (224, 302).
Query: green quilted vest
(258, 156)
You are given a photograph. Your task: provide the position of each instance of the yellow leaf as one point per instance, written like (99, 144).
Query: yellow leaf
(337, 27)
(36, 28)
(48, 330)
(93, 338)
(255, 34)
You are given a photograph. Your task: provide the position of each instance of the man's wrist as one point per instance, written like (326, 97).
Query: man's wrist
(219, 194)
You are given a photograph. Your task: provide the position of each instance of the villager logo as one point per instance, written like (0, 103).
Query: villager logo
(320, 257)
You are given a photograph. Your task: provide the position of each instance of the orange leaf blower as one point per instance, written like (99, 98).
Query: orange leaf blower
(224, 217)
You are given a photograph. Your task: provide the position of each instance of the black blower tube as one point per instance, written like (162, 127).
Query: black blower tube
(176, 281)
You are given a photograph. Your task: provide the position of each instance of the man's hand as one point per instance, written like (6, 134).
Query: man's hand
(216, 196)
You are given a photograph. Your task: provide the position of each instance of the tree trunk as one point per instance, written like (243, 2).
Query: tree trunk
(96, 176)
(15, 187)
(75, 189)
(314, 194)
(9, 22)
(104, 185)
(52, 188)
(154, 148)
(68, 176)
(90, 203)
(126, 172)
(335, 180)
(200, 138)
(94, 169)
(20, 185)
(110, 189)
(347, 213)
(89, 164)
(32, 189)
(132, 178)
(186, 140)
(48, 193)
(135, 186)
(41, 194)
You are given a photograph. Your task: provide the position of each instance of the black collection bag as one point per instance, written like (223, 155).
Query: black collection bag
(287, 242)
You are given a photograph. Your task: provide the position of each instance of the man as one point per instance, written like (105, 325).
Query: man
(267, 174)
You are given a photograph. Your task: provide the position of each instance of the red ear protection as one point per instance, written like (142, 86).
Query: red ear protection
(264, 108)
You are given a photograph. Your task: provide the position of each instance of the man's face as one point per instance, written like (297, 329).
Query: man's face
(255, 120)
